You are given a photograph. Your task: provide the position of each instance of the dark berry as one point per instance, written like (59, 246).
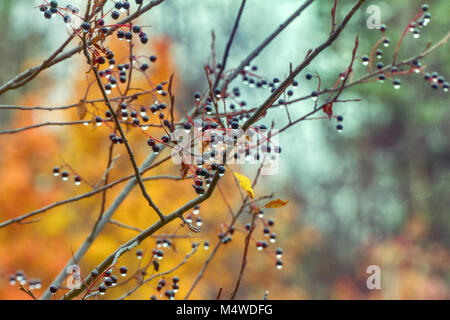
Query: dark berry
(187, 126)
(101, 60)
(85, 26)
(365, 59)
(151, 142)
(120, 34)
(102, 289)
(136, 29)
(115, 15)
(221, 170)
(144, 39)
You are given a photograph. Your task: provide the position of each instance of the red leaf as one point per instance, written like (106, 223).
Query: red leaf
(328, 109)
(184, 170)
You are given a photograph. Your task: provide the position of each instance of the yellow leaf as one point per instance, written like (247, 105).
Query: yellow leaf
(245, 184)
(276, 203)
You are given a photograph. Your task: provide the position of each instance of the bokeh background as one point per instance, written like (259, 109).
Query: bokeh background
(377, 193)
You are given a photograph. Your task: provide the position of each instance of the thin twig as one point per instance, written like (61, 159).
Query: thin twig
(228, 45)
(127, 145)
(244, 257)
(82, 196)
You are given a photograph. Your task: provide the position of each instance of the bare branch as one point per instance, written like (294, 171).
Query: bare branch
(244, 257)
(228, 45)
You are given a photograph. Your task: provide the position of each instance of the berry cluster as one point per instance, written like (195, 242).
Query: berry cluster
(414, 27)
(108, 279)
(254, 147)
(97, 28)
(19, 277)
(226, 236)
(435, 80)
(65, 175)
(50, 10)
(262, 245)
(198, 220)
(111, 75)
(169, 293)
(157, 254)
